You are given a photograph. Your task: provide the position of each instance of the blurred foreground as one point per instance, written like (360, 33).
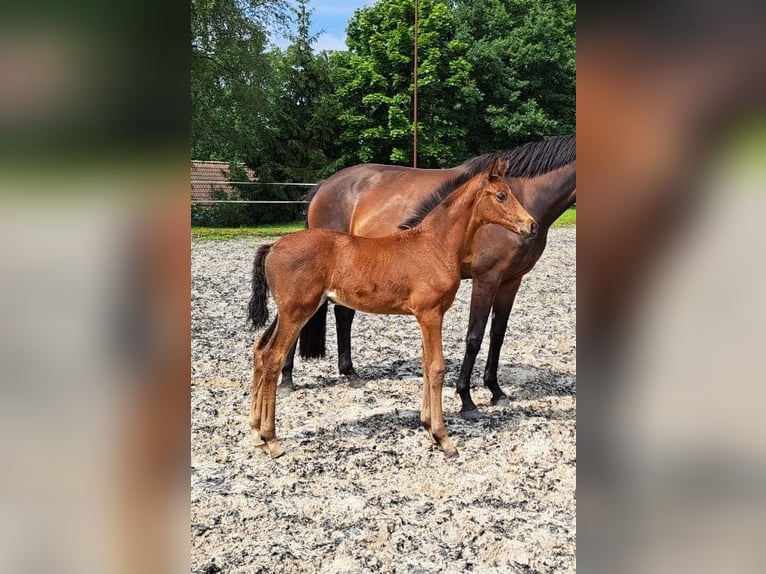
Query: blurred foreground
(671, 277)
(94, 288)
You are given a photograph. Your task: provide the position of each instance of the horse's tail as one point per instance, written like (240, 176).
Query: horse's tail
(257, 309)
(313, 335)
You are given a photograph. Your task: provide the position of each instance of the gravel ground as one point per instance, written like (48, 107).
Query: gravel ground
(360, 489)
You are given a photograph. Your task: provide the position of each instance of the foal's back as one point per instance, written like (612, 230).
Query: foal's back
(395, 274)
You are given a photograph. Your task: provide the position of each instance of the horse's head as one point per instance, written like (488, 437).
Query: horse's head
(496, 203)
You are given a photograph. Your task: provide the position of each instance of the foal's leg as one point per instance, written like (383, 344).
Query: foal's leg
(255, 397)
(482, 295)
(504, 299)
(425, 409)
(433, 359)
(344, 317)
(268, 360)
(273, 357)
(257, 388)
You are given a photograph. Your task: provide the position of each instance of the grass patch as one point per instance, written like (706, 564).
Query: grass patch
(569, 217)
(271, 230)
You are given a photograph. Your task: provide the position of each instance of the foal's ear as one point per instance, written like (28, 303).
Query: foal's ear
(497, 169)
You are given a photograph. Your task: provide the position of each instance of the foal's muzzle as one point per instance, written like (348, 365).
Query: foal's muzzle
(530, 232)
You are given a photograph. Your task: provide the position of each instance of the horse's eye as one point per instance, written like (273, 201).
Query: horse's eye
(501, 196)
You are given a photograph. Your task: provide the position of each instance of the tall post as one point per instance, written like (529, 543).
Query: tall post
(415, 100)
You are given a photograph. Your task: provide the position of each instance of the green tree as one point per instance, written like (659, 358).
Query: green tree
(230, 72)
(523, 60)
(299, 141)
(375, 82)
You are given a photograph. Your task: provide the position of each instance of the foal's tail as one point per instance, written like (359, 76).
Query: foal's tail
(257, 309)
(313, 335)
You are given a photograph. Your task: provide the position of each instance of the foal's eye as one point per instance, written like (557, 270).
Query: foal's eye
(501, 196)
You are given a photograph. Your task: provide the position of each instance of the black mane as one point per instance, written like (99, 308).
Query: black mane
(528, 160)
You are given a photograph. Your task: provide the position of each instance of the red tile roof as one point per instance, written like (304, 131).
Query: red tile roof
(211, 171)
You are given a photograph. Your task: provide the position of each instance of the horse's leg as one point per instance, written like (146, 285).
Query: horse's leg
(482, 294)
(504, 299)
(433, 359)
(286, 385)
(344, 317)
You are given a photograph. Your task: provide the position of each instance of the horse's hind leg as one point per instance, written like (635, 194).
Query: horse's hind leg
(286, 385)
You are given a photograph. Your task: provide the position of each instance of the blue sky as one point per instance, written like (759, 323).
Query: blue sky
(331, 16)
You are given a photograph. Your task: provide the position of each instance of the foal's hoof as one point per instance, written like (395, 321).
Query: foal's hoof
(275, 448)
(257, 440)
(472, 415)
(501, 401)
(284, 390)
(450, 451)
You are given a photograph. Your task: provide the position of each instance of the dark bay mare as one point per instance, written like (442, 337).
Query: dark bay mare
(413, 272)
(373, 200)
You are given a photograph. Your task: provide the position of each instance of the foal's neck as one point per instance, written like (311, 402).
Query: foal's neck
(454, 223)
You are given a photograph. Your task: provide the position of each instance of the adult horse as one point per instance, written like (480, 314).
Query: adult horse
(413, 272)
(372, 200)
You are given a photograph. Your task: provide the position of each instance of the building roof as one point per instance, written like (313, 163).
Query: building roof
(204, 172)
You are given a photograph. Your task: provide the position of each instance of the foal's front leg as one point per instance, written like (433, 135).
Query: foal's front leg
(433, 375)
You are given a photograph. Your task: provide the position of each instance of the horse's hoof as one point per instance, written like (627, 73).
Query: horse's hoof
(355, 381)
(275, 449)
(472, 415)
(501, 402)
(284, 390)
(257, 440)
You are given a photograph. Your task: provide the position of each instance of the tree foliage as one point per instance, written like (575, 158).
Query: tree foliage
(230, 74)
(491, 75)
(523, 58)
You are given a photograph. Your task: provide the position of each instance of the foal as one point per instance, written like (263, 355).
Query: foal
(413, 272)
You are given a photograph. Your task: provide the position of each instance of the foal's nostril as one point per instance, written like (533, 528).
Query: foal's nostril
(533, 228)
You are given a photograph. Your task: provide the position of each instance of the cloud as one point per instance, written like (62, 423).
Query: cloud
(328, 41)
(345, 8)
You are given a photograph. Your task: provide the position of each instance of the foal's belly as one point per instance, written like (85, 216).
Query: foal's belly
(369, 299)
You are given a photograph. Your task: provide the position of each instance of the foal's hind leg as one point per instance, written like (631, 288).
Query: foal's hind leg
(273, 357)
(257, 387)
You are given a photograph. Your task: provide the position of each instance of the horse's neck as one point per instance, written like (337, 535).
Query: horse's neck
(547, 196)
(452, 224)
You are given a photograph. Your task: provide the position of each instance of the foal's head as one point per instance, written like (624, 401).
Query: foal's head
(496, 203)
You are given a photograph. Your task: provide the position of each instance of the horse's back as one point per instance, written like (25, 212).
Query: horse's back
(372, 200)
(334, 200)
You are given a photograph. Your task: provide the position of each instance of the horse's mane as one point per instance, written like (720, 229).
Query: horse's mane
(528, 160)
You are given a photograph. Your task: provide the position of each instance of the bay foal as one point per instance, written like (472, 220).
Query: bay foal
(412, 272)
